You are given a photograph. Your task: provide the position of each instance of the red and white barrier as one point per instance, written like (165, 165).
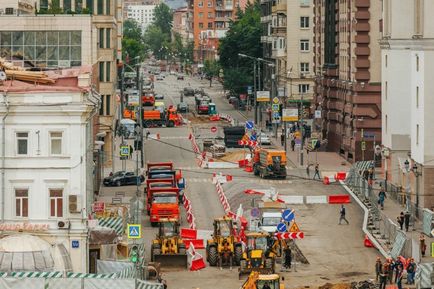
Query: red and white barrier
(328, 180)
(200, 157)
(190, 217)
(250, 143)
(195, 260)
(289, 235)
(339, 199)
(225, 116)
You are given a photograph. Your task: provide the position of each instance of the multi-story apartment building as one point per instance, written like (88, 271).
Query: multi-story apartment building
(210, 21)
(143, 14)
(180, 24)
(299, 51)
(407, 58)
(347, 64)
(279, 39)
(47, 163)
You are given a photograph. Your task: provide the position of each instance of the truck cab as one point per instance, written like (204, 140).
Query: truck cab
(269, 221)
(164, 203)
(148, 98)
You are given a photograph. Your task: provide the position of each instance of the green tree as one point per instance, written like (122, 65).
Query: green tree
(244, 37)
(132, 41)
(157, 41)
(163, 18)
(211, 69)
(132, 30)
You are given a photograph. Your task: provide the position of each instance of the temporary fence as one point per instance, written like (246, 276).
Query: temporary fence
(115, 223)
(424, 276)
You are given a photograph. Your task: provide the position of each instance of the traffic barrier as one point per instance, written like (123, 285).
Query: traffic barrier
(188, 233)
(368, 242)
(248, 169)
(197, 243)
(195, 259)
(253, 192)
(190, 217)
(341, 176)
(339, 199)
(214, 117)
(329, 180)
(243, 163)
(291, 199)
(316, 200)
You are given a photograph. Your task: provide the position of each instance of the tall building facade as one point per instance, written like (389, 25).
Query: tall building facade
(180, 24)
(407, 59)
(347, 65)
(143, 14)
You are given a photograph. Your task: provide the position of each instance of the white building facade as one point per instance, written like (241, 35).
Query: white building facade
(407, 74)
(143, 14)
(47, 165)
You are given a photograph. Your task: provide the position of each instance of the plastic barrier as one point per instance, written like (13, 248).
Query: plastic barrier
(339, 199)
(328, 180)
(195, 259)
(188, 233)
(368, 242)
(214, 117)
(197, 243)
(253, 192)
(248, 169)
(341, 176)
(242, 163)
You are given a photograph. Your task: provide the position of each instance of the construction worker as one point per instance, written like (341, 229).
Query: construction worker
(288, 258)
(390, 270)
(411, 271)
(378, 266)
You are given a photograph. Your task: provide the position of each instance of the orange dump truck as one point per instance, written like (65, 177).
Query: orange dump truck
(169, 118)
(164, 203)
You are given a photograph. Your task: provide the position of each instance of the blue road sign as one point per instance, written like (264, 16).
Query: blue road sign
(368, 134)
(75, 244)
(255, 212)
(134, 231)
(125, 151)
(281, 227)
(249, 90)
(276, 115)
(253, 137)
(250, 124)
(288, 215)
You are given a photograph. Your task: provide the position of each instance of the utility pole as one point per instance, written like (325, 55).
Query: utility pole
(259, 88)
(255, 103)
(139, 86)
(301, 128)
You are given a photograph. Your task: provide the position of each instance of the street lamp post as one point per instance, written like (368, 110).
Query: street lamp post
(408, 187)
(417, 175)
(255, 105)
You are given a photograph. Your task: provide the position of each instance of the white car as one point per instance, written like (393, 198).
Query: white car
(264, 139)
(160, 77)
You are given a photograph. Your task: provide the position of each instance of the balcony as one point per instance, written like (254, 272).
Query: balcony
(278, 30)
(280, 7)
(278, 53)
(265, 18)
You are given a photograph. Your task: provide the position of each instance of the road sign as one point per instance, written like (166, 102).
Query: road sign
(275, 107)
(125, 151)
(317, 113)
(288, 215)
(290, 114)
(275, 100)
(281, 91)
(263, 96)
(314, 141)
(133, 99)
(247, 143)
(255, 212)
(214, 129)
(134, 231)
(250, 124)
(276, 115)
(253, 137)
(294, 228)
(249, 90)
(363, 144)
(368, 134)
(75, 244)
(289, 235)
(281, 227)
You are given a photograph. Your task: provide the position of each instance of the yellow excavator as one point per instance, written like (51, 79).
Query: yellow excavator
(223, 248)
(168, 248)
(257, 255)
(258, 281)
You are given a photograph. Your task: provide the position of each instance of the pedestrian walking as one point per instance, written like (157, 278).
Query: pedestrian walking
(383, 277)
(396, 266)
(401, 220)
(317, 172)
(407, 220)
(282, 139)
(400, 275)
(390, 270)
(342, 215)
(378, 269)
(308, 171)
(288, 258)
(292, 144)
(411, 271)
(130, 152)
(381, 197)
(422, 244)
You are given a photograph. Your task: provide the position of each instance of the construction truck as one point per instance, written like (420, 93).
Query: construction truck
(258, 281)
(156, 118)
(257, 256)
(223, 248)
(269, 163)
(129, 112)
(165, 170)
(148, 98)
(163, 203)
(168, 248)
(153, 184)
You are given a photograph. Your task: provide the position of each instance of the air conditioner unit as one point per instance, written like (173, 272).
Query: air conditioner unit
(74, 204)
(63, 225)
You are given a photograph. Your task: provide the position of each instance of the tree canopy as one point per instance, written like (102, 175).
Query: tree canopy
(163, 18)
(244, 37)
(132, 41)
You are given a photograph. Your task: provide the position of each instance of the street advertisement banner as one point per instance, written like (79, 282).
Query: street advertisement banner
(290, 114)
(133, 99)
(263, 96)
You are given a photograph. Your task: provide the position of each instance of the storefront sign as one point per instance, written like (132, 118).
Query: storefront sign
(290, 114)
(24, 227)
(98, 207)
(263, 96)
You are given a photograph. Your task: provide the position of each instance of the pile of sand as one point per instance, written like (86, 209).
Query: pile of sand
(233, 156)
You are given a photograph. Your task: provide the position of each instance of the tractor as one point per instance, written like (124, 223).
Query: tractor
(258, 281)
(168, 248)
(223, 248)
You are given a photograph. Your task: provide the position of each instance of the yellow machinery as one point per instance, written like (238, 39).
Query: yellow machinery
(258, 281)
(168, 248)
(258, 256)
(223, 249)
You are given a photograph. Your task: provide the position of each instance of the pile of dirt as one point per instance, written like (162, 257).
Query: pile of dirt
(233, 156)
(335, 286)
(363, 285)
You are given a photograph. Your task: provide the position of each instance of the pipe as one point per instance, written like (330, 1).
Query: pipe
(4, 158)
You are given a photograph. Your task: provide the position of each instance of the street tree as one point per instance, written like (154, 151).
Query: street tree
(163, 18)
(157, 41)
(132, 41)
(211, 69)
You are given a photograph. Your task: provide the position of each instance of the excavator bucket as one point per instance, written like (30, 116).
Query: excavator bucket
(171, 260)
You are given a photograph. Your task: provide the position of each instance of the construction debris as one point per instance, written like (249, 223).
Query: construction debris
(363, 285)
(18, 73)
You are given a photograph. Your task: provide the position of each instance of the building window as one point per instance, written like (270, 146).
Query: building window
(200, 4)
(108, 33)
(56, 143)
(107, 104)
(209, 24)
(101, 71)
(209, 3)
(67, 5)
(101, 38)
(417, 62)
(22, 143)
(304, 67)
(100, 7)
(89, 5)
(209, 15)
(200, 14)
(304, 2)
(303, 88)
(304, 45)
(386, 123)
(43, 4)
(417, 96)
(56, 203)
(107, 71)
(22, 203)
(417, 134)
(101, 108)
(200, 25)
(108, 9)
(304, 22)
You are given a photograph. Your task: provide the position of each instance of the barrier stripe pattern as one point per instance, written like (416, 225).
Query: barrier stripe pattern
(190, 216)
(148, 285)
(93, 276)
(116, 224)
(201, 158)
(54, 274)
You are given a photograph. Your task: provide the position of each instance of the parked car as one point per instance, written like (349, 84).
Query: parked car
(180, 77)
(160, 77)
(123, 178)
(233, 99)
(188, 91)
(182, 107)
(264, 139)
(159, 96)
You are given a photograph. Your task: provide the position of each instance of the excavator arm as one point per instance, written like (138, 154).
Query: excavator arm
(251, 281)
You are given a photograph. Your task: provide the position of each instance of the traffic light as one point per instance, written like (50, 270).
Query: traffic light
(134, 254)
